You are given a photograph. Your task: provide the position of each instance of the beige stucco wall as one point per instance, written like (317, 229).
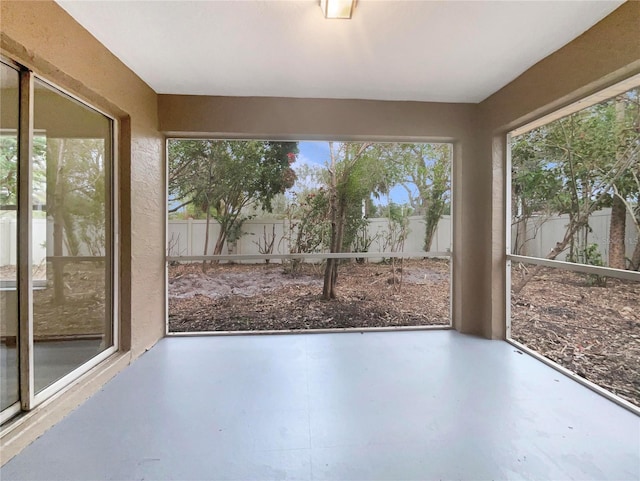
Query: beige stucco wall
(44, 38)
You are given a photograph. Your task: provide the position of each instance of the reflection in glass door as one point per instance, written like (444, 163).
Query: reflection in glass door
(9, 102)
(70, 245)
(56, 239)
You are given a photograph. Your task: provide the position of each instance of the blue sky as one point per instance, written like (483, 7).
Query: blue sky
(317, 153)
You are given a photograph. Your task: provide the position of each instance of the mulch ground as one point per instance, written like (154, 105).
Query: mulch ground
(415, 293)
(589, 329)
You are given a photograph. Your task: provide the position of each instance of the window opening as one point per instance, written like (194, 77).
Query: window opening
(267, 235)
(575, 241)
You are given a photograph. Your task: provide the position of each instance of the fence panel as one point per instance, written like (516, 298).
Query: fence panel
(542, 234)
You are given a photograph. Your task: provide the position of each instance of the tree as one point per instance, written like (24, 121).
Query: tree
(592, 154)
(222, 177)
(308, 213)
(633, 208)
(75, 188)
(308, 228)
(428, 168)
(9, 170)
(627, 188)
(591, 157)
(533, 184)
(355, 172)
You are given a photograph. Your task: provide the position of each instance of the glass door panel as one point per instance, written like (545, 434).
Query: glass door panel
(72, 318)
(9, 102)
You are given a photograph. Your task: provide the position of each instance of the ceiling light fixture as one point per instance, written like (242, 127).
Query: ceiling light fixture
(337, 8)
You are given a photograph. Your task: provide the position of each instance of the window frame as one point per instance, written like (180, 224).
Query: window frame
(448, 254)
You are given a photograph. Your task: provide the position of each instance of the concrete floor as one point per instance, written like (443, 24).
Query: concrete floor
(394, 406)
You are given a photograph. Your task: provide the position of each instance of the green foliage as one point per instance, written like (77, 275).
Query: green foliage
(398, 228)
(395, 211)
(9, 169)
(221, 177)
(590, 255)
(362, 240)
(309, 228)
(70, 174)
(355, 172)
(89, 204)
(574, 165)
(533, 181)
(428, 167)
(68, 177)
(359, 173)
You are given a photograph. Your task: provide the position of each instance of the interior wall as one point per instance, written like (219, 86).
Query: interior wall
(43, 37)
(311, 119)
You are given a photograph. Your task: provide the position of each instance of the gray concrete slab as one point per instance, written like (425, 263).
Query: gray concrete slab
(375, 406)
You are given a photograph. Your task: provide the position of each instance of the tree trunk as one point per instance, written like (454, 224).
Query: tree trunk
(55, 206)
(430, 230)
(617, 233)
(328, 291)
(521, 236)
(331, 269)
(206, 239)
(583, 217)
(222, 237)
(555, 252)
(635, 258)
(331, 272)
(618, 225)
(573, 257)
(328, 288)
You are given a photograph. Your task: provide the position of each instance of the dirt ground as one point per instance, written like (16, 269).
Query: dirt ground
(268, 297)
(591, 330)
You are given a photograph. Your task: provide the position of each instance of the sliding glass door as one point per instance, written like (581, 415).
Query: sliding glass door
(56, 233)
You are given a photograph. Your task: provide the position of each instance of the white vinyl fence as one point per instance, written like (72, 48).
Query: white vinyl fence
(186, 237)
(8, 240)
(42, 238)
(542, 234)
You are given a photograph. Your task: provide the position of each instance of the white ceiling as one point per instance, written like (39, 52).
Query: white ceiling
(445, 51)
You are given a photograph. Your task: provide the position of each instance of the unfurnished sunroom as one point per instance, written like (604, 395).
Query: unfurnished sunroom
(538, 106)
